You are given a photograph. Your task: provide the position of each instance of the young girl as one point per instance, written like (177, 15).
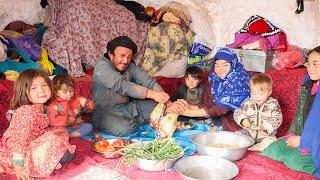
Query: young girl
(300, 150)
(29, 148)
(66, 109)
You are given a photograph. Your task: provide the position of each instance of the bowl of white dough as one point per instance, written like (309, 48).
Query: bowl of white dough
(228, 145)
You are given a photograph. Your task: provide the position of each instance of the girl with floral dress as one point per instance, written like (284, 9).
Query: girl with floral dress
(29, 148)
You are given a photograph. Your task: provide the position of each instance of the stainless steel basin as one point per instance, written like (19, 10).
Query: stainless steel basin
(238, 144)
(206, 168)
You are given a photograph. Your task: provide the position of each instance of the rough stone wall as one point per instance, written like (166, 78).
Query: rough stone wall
(215, 21)
(302, 29)
(28, 11)
(227, 16)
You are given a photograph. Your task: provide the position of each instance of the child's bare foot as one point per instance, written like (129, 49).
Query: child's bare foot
(58, 166)
(72, 149)
(214, 129)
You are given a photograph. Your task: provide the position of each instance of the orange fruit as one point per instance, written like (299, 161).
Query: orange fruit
(104, 143)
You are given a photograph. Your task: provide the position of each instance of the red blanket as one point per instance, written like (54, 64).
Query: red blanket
(286, 89)
(252, 166)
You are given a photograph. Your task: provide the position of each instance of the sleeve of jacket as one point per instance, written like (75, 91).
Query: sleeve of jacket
(21, 124)
(108, 77)
(58, 113)
(209, 106)
(142, 78)
(276, 118)
(241, 113)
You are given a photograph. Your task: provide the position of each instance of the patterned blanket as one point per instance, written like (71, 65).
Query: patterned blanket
(79, 31)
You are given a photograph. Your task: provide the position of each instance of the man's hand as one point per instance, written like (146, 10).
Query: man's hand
(293, 141)
(246, 123)
(194, 107)
(178, 107)
(158, 96)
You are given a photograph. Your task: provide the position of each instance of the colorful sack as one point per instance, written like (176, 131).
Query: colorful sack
(196, 56)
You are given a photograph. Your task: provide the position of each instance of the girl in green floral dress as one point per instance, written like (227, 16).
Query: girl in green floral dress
(300, 149)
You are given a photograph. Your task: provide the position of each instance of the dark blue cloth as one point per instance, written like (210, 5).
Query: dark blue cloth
(310, 138)
(231, 91)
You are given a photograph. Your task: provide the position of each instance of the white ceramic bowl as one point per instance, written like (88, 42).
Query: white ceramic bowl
(238, 144)
(155, 165)
(206, 168)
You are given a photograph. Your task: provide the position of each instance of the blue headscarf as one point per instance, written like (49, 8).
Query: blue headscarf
(231, 91)
(310, 138)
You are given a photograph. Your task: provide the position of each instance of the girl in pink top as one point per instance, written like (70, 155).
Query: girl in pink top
(66, 109)
(29, 148)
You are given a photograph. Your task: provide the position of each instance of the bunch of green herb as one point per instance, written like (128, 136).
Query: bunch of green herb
(159, 150)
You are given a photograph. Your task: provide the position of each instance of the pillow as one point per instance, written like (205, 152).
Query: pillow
(174, 69)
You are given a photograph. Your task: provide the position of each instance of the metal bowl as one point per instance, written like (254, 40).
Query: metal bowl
(206, 168)
(156, 165)
(238, 144)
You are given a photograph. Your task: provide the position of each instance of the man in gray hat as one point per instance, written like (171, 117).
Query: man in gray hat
(124, 94)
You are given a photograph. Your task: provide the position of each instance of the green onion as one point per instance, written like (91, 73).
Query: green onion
(160, 150)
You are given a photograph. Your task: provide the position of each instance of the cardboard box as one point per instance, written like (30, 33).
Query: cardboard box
(255, 60)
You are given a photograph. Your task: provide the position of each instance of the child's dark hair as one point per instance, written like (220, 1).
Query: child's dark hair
(194, 72)
(61, 79)
(22, 87)
(316, 49)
